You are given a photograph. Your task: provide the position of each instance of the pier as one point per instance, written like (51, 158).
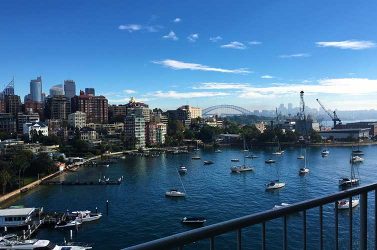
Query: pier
(83, 183)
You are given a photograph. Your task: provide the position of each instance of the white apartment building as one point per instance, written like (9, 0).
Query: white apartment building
(77, 119)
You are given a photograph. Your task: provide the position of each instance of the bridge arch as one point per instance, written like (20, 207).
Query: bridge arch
(225, 108)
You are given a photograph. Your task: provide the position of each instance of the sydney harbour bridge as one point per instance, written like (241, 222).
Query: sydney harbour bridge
(225, 110)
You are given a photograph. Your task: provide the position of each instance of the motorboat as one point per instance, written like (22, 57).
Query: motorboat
(325, 153)
(195, 221)
(279, 152)
(300, 157)
(234, 160)
(283, 204)
(276, 184)
(208, 162)
(269, 161)
(251, 156)
(175, 193)
(357, 152)
(345, 204)
(37, 244)
(86, 216)
(218, 151)
(64, 224)
(239, 169)
(348, 182)
(182, 170)
(357, 159)
(303, 171)
(195, 157)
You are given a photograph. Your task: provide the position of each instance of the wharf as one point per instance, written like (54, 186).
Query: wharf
(82, 183)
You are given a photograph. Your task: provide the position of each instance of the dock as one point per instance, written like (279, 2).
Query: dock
(82, 183)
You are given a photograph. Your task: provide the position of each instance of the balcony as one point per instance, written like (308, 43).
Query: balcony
(343, 228)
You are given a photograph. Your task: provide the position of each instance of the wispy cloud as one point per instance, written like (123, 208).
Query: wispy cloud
(267, 77)
(215, 39)
(254, 43)
(129, 91)
(171, 36)
(177, 20)
(178, 65)
(138, 27)
(193, 37)
(298, 55)
(234, 45)
(185, 95)
(348, 44)
(221, 86)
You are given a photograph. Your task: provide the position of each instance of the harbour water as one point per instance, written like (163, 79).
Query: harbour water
(139, 211)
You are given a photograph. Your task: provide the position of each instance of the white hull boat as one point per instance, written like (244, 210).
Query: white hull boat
(195, 157)
(64, 224)
(239, 169)
(37, 244)
(278, 153)
(301, 157)
(269, 161)
(86, 216)
(357, 159)
(303, 171)
(275, 185)
(325, 153)
(175, 193)
(347, 182)
(283, 204)
(345, 204)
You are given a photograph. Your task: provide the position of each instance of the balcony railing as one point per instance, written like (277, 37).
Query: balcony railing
(179, 240)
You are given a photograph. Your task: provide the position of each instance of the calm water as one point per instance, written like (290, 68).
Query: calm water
(139, 211)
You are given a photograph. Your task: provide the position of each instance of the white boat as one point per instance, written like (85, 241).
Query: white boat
(36, 244)
(175, 193)
(239, 169)
(64, 224)
(197, 221)
(280, 152)
(182, 170)
(345, 204)
(357, 159)
(300, 157)
(283, 204)
(276, 184)
(269, 161)
(86, 216)
(305, 169)
(218, 151)
(234, 160)
(325, 153)
(348, 182)
(208, 162)
(195, 157)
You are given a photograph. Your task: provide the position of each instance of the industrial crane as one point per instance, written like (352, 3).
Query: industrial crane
(334, 117)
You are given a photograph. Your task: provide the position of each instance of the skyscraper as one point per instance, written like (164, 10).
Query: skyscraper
(36, 89)
(56, 90)
(69, 88)
(90, 91)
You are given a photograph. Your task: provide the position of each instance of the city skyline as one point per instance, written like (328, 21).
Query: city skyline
(164, 53)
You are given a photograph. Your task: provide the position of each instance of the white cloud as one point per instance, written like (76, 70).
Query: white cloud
(218, 86)
(193, 37)
(171, 36)
(254, 43)
(267, 77)
(177, 20)
(129, 91)
(138, 27)
(215, 39)
(348, 44)
(234, 45)
(295, 55)
(180, 95)
(177, 65)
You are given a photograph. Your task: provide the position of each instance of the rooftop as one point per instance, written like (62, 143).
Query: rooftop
(16, 211)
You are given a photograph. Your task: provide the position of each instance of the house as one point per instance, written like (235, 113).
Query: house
(38, 127)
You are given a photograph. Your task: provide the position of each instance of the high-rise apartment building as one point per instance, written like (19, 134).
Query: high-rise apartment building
(56, 90)
(138, 109)
(36, 89)
(135, 131)
(95, 107)
(57, 107)
(90, 91)
(195, 112)
(69, 89)
(12, 104)
(25, 118)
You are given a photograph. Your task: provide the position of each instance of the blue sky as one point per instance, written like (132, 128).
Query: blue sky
(254, 54)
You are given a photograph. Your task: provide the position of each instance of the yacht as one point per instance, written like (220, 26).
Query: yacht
(64, 224)
(300, 157)
(325, 153)
(283, 204)
(208, 162)
(86, 216)
(239, 169)
(357, 159)
(218, 151)
(37, 244)
(276, 184)
(345, 204)
(303, 171)
(269, 161)
(234, 160)
(182, 170)
(195, 157)
(348, 182)
(197, 221)
(175, 193)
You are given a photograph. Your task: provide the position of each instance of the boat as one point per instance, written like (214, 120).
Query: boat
(86, 216)
(301, 156)
(14, 243)
(283, 204)
(251, 156)
(325, 152)
(64, 224)
(269, 161)
(218, 151)
(276, 184)
(347, 182)
(278, 151)
(195, 157)
(239, 169)
(305, 169)
(195, 221)
(182, 170)
(175, 193)
(357, 159)
(234, 160)
(208, 162)
(345, 204)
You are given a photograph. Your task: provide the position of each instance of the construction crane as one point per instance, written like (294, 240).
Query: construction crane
(334, 117)
(302, 106)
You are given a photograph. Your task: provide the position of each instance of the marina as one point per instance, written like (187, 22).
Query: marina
(149, 178)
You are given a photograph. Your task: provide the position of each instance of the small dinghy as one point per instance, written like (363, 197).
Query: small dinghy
(63, 224)
(269, 161)
(208, 162)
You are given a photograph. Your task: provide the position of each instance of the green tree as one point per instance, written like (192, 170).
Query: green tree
(5, 175)
(21, 161)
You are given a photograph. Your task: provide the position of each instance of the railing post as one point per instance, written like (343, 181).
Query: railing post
(239, 239)
(212, 243)
(363, 221)
(285, 233)
(350, 223)
(264, 235)
(336, 226)
(321, 227)
(304, 214)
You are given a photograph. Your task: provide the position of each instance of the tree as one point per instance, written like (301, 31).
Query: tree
(207, 134)
(42, 164)
(21, 161)
(5, 175)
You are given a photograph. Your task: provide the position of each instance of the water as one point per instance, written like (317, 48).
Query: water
(139, 210)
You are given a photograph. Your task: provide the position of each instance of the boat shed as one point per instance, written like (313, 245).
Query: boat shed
(16, 217)
(341, 134)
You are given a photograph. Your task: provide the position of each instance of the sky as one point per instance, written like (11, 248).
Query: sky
(253, 54)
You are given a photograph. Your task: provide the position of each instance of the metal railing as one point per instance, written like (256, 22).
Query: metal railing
(236, 225)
